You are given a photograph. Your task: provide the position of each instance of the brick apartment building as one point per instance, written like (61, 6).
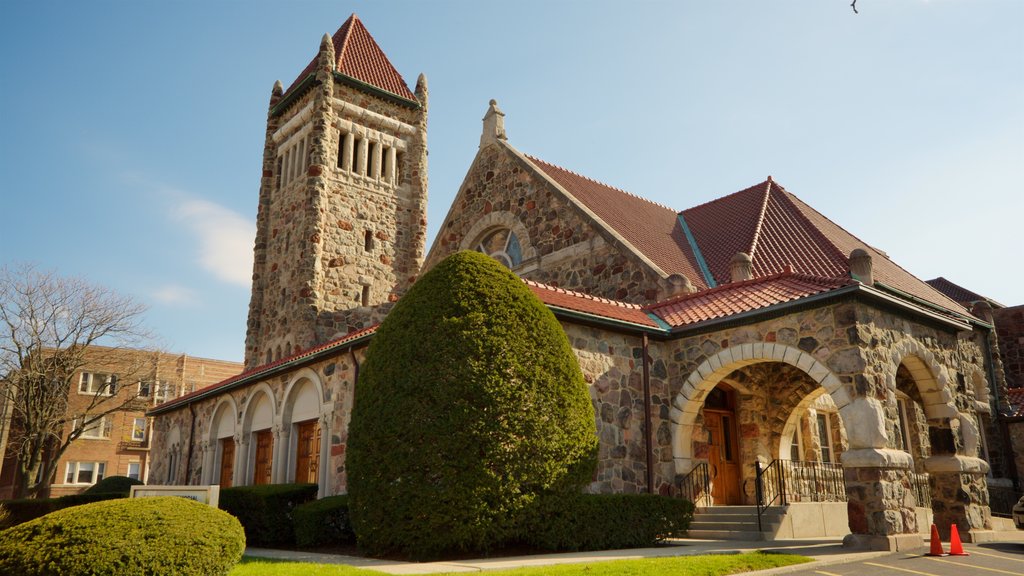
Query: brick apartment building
(119, 443)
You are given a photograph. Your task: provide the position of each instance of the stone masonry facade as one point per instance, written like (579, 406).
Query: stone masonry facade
(341, 225)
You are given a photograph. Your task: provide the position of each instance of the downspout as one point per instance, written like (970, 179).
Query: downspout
(191, 437)
(355, 373)
(648, 440)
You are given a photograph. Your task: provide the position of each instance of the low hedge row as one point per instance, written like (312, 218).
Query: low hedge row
(323, 522)
(166, 535)
(265, 511)
(23, 510)
(603, 521)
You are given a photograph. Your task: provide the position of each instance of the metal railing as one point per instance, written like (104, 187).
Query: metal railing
(696, 486)
(921, 489)
(785, 481)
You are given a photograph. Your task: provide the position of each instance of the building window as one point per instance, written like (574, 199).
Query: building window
(825, 436)
(357, 150)
(139, 430)
(134, 471)
(366, 296)
(903, 431)
(164, 392)
(368, 240)
(796, 446)
(502, 245)
(172, 465)
(145, 388)
(84, 472)
(94, 383)
(399, 159)
(341, 150)
(371, 160)
(99, 428)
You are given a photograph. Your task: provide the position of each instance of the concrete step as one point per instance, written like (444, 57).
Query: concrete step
(720, 517)
(725, 534)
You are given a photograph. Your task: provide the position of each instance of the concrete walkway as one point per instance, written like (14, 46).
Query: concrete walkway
(824, 551)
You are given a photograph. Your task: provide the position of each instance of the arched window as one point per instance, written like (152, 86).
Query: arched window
(502, 245)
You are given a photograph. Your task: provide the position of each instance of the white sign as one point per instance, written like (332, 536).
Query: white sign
(202, 494)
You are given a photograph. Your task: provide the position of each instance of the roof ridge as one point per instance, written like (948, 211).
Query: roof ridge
(344, 41)
(785, 274)
(761, 217)
(598, 182)
(584, 295)
(730, 195)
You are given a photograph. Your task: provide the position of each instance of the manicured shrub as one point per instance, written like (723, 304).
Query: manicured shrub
(121, 484)
(266, 511)
(603, 521)
(166, 535)
(470, 403)
(26, 509)
(322, 522)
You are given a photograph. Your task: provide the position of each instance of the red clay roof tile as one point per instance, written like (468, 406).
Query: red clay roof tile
(651, 228)
(580, 302)
(743, 296)
(359, 57)
(1015, 398)
(959, 293)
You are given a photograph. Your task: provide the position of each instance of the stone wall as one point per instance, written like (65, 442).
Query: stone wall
(335, 377)
(1010, 330)
(561, 245)
(335, 232)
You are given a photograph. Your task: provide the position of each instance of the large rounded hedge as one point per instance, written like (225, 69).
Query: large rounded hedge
(125, 537)
(470, 403)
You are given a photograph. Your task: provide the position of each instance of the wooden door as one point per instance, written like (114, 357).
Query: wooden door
(307, 459)
(227, 461)
(723, 457)
(264, 457)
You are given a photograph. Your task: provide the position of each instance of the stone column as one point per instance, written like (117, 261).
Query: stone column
(389, 173)
(880, 497)
(346, 152)
(238, 467)
(376, 160)
(959, 488)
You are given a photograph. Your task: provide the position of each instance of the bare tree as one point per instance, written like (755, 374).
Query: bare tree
(53, 327)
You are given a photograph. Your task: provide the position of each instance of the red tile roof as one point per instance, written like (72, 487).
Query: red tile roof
(763, 222)
(1015, 398)
(339, 342)
(651, 228)
(743, 296)
(359, 57)
(580, 302)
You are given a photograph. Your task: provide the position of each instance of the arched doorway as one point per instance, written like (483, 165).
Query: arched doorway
(723, 448)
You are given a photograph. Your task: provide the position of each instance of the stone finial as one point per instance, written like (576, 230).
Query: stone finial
(326, 56)
(421, 89)
(741, 267)
(494, 125)
(275, 93)
(860, 266)
(678, 285)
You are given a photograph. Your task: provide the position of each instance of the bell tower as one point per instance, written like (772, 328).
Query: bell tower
(341, 224)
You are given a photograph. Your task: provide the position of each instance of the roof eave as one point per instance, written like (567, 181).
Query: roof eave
(299, 89)
(260, 375)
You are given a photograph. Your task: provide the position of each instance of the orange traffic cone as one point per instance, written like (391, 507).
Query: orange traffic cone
(936, 543)
(955, 547)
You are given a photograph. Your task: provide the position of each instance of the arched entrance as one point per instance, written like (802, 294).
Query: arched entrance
(722, 446)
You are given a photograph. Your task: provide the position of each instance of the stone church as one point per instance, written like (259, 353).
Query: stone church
(741, 351)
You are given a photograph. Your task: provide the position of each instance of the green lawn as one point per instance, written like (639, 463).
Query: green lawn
(711, 565)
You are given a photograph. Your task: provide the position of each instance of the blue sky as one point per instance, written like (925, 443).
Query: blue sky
(133, 131)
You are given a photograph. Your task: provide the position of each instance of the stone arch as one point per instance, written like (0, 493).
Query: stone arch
(303, 401)
(687, 404)
(255, 418)
(223, 425)
(252, 404)
(929, 376)
(790, 427)
(499, 219)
